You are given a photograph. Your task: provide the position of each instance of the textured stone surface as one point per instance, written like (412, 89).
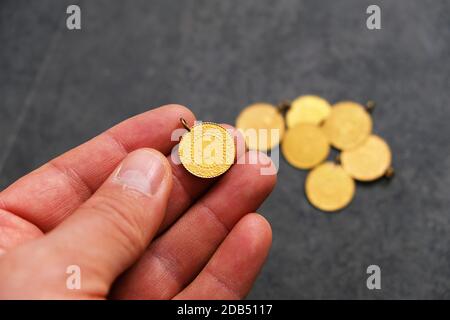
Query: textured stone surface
(59, 88)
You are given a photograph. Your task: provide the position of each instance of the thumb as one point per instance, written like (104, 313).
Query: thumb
(101, 239)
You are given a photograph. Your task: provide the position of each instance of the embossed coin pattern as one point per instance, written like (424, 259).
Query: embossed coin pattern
(307, 109)
(348, 125)
(207, 150)
(369, 161)
(305, 146)
(262, 125)
(329, 188)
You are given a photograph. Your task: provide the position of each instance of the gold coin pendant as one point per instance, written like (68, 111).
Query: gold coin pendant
(307, 109)
(348, 125)
(329, 188)
(369, 161)
(207, 150)
(305, 146)
(262, 125)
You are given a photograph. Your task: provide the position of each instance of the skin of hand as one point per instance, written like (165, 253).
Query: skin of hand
(136, 224)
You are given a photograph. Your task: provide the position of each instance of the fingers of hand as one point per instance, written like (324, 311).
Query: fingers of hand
(180, 253)
(51, 193)
(105, 235)
(235, 265)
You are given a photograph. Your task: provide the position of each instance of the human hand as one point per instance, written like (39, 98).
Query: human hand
(137, 225)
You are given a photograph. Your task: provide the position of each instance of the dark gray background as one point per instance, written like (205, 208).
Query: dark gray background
(59, 88)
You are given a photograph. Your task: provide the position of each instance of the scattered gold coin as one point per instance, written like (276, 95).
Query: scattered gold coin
(348, 125)
(329, 188)
(305, 146)
(307, 109)
(262, 125)
(207, 150)
(313, 127)
(369, 161)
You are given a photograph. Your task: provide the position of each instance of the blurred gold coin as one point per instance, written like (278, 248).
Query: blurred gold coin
(307, 109)
(348, 125)
(368, 161)
(329, 188)
(262, 125)
(305, 146)
(207, 150)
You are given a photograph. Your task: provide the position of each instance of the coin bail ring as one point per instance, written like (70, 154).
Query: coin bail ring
(185, 124)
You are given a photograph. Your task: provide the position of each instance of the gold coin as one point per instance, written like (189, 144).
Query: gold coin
(305, 146)
(329, 188)
(207, 150)
(348, 125)
(307, 109)
(369, 161)
(262, 126)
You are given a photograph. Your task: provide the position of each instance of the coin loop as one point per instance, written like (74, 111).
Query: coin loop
(369, 161)
(305, 146)
(207, 150)
(262, 125)
(329, 188)
(307, 109)
(348, 125)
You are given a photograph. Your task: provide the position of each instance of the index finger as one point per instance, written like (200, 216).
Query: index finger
(49, 194)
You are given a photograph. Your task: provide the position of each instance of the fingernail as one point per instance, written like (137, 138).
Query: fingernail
(142, 171)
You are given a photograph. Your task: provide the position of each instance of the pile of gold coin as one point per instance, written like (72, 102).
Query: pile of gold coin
(307, 128)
